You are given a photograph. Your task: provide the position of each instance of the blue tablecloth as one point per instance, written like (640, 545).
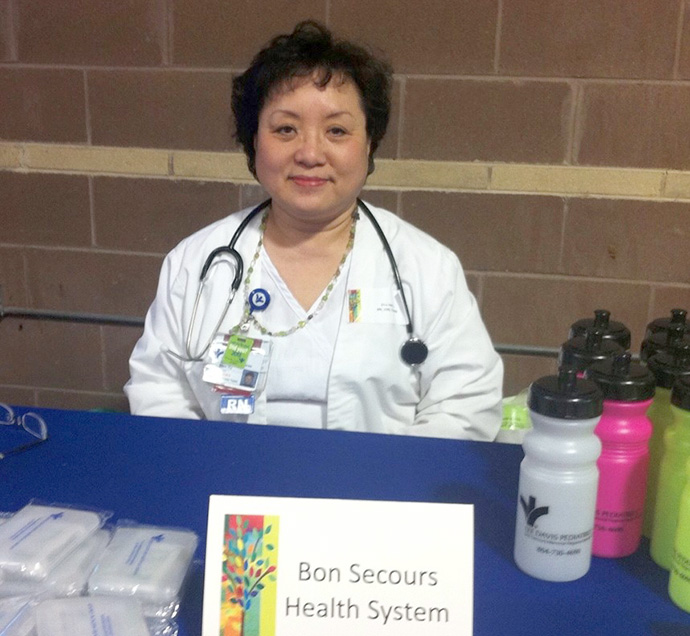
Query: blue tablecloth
(162, 471)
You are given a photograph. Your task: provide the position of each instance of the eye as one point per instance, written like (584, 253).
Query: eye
(337, 131)
(284, 130)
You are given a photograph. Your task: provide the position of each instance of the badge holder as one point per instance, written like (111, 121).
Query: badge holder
(237, 365)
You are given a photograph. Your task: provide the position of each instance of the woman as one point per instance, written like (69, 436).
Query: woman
(319, 321)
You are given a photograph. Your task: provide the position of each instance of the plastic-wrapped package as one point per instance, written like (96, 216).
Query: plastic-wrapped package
(35, 539)
(67, 578)
(147, 562)
(89, 616)
(162, 626)
(16, 616)
(4, 516)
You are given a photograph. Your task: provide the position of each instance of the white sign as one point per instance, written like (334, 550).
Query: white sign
(309, 567)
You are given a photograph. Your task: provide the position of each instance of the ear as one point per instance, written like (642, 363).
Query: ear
(370, 155)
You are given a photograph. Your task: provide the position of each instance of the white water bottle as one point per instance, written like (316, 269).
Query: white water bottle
(558, 478)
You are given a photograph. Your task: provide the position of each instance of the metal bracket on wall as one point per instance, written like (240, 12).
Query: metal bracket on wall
(65, 316)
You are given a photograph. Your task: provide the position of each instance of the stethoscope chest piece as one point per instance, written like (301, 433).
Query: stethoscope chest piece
(414, 352)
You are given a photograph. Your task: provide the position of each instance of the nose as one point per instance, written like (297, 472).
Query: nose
(310, 151)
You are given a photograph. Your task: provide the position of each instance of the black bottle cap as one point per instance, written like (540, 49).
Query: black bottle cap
(565, 396)
(620, 378)
(611, 329)
(582, 351)
(663, 341)
(678, 317)
(680, 394)
(670, 364)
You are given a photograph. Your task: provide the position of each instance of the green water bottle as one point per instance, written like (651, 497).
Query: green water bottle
(677, 317)
(672, 475)
(667, 367)
(679, 581)
(664, 341)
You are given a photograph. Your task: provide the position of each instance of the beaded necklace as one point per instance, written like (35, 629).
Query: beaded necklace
(248, 316)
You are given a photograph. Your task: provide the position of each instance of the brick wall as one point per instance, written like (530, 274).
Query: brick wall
(545, 141)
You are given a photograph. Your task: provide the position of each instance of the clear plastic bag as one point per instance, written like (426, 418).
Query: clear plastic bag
(162, 627)
(87, 616)
(35, 539)
(67, 578)
(149, 563)
(16, 616)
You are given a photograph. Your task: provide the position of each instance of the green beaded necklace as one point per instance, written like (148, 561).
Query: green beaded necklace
(248, 316)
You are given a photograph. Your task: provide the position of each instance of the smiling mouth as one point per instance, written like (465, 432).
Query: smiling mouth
(309, 181)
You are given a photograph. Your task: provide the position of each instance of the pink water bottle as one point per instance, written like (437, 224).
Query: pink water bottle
(624, 430)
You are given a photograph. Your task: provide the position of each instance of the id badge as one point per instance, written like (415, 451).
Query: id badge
(379, 305)
(237, 367)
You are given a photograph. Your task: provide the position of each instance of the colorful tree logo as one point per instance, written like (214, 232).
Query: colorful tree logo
(248, 584)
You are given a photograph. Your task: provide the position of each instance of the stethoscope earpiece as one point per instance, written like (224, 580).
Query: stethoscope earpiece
(414, 352)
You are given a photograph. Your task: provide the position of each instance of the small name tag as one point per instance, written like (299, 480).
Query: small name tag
(237, 404)
(309, 567)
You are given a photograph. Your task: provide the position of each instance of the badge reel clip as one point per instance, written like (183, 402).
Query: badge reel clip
(238, 364)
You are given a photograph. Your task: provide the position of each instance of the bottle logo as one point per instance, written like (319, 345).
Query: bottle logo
(532, 513)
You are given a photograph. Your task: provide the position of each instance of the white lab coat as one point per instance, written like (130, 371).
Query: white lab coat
(455, 393)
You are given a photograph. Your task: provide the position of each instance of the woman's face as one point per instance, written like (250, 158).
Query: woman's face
(312, 149)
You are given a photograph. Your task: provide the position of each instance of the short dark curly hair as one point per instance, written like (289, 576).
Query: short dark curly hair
(311, 48)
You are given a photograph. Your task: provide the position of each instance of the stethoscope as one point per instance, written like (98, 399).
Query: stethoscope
(413, 351)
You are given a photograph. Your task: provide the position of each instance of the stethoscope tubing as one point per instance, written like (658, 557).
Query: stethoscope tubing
(413, 351)
(230, 250)
(393, 263)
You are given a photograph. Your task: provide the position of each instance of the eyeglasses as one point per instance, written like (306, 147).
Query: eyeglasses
(30, 422)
